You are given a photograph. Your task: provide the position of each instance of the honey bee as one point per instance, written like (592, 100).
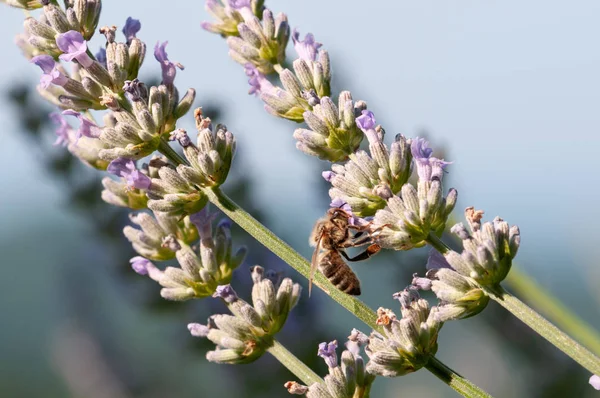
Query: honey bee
(330, 236)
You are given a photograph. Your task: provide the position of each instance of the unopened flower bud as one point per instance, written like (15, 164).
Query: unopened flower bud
(488, 249)
(411, 216)
(407, 343)
(228, 15)
(204, 272)
(330, 136)
(261, 43)
(244, 336)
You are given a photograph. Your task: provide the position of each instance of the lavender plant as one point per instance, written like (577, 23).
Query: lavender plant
(172, 192)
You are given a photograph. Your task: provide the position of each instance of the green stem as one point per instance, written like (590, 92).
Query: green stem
(537, 297)
(165, 149)
(461, 385)
(546, 329)
(294, 365)
(437, 243)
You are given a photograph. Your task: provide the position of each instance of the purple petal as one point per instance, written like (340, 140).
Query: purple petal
(86, 128)
(132, 26)
(140, 265)
(73, 46)
(168, 68)
(51, 73)
(436, 260)
(124, 167)
(366, 121)
(203, 222)
(62, 132)
(327, 352)
(420, 148)
(45, 62)
(226, 293)
(259, 84)
(595, 382)
(307, 49)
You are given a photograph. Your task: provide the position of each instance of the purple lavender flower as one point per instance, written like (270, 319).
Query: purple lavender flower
(595, 382)
(140, 265)
(74, 46)
(62, 132)
(203, 222)
(239, 4)
(258, 82)
(307, 49)
(87, 127)
(226, 293)
(51, 72)
(428, 168)
(124, 167)
(168, 67)
(420, 148)
(366, 121)
(436, 260)
(101, 57)
(132, 26)
(327, 352)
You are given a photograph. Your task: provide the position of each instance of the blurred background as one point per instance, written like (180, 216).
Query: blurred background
(508, 91)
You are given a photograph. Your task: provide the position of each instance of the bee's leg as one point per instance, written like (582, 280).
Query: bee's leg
(370, 251)
(357, 241)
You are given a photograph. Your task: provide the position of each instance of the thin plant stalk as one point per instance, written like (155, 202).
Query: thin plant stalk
(546, 329)
(459, 384)
(536, 296)
(293, 364)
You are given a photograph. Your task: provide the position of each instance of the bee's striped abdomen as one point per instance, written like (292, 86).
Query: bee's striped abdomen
(333, 266)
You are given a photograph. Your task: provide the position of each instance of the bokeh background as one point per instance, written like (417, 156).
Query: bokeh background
(509, 91)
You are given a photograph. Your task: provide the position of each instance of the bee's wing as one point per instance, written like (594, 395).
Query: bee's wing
(313, 263)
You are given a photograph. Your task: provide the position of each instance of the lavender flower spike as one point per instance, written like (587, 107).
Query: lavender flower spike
(124, 167)
(327, 352)
(74, 46)
(132, 26)
(308, 48)
(87, 127)
(168, 67)
(51, 72)
(62, 132)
